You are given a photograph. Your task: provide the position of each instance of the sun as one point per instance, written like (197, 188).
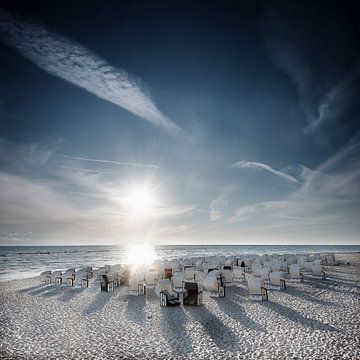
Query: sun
(140, 200)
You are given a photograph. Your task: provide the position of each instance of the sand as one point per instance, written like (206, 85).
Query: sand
(317, 319)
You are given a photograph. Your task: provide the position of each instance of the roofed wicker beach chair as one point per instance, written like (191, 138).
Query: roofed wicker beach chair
(68, 278)
(150, 279)
(277, 280)
(257, 289)
(330, 258)
(228, 274)
(192, 293)
(178, 281)
(56, 278)
(214, 283)
(106, 283)
(295, 274)
(45, 277)
(137, 285)
(189, 273)
(238, 273)
(167, 296)
(318, 271)
(83, 276)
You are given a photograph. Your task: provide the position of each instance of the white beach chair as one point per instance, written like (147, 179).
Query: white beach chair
(308, 266)
(167, 296)
(56, 278)
(107, 283)
(330, 258)
(82, 277)
(295, 274)
(265, 274)
(214, 283)
(228, 274)
(189, 273)
(68, 278)
(256, 268)
(257, 289)
(150, 279)
(238, 273)
(318, 271)
(137, 285)
(277, 281)
(177, 281)
(45, 277)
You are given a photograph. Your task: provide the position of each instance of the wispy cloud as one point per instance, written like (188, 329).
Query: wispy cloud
(326, 92)
(264, 167)
(217, 206)
(76, 64)
(104, 161)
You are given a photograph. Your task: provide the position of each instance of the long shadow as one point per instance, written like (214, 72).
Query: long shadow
(233, 309)
(53, 290)
(305, 295)
(295, 316)
(99, 301)
(173, 328)
(70, 294)
(34, 288)
(135, 308)
(222, 336)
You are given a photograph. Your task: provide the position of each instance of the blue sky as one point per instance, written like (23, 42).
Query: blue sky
(179, 123)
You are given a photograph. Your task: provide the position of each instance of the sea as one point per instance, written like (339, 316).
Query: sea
(18, 262)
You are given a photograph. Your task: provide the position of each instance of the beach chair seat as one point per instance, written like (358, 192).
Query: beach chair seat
(168, 299)
(192, 294)
(107, 283)
(256, 288)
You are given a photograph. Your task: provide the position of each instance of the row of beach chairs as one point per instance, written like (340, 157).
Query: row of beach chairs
(183, 281)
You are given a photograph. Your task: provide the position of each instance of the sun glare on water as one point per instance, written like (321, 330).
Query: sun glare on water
(138, 255)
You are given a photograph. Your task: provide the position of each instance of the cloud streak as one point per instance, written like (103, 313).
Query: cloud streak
(121, 163)
(263, 167)
(74, 63)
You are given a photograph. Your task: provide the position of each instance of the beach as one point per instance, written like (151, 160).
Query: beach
(316, 319)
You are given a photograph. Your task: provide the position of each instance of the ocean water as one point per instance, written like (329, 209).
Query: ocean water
(18, 262)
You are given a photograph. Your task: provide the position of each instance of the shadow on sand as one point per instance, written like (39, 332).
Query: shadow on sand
(221, 334)
(173, 328)
(99, 301)
(295, 316)
(233, 309)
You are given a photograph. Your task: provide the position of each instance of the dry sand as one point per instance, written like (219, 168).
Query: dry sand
(317, 319)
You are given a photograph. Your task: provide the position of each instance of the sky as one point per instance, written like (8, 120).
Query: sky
(179, 122)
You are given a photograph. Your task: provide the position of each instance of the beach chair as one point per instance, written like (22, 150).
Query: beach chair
(82, 277)
(295, 274)
(330, 258)
(167, 296)
(177, 281)
(137, 285)
(308, 266)
(257, 289)
(192, 294)
(189, 273)
(238, 273)
(265, 274)
(150, 279)
(228, 274)
(107, 283)
(45, 277)
(317, 270)
(256, 269)
(68, 278)
(277, 281)
(56, 278)
(214, 283)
